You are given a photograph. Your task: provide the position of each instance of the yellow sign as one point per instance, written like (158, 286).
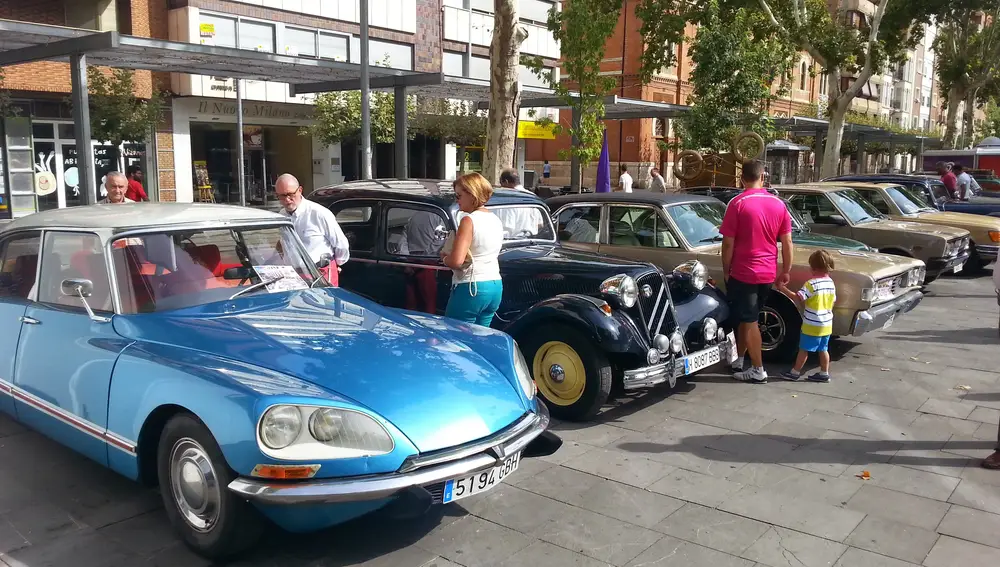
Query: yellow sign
(207, 30)
(531, 131)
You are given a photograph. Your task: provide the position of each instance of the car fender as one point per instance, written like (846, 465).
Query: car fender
(152, 381)
(613, 333)
(695, 307)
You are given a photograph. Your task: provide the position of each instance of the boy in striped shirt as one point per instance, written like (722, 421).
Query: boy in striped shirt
(816, 298)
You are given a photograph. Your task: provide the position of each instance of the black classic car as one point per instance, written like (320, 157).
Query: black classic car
(933, 190)
(585, 322)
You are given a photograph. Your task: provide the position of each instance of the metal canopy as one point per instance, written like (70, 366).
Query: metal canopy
(809, 126)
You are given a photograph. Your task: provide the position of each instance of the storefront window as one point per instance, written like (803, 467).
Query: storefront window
(400, 56)
(225, 30)
(300, 42)
(256, 36)
(333, 47)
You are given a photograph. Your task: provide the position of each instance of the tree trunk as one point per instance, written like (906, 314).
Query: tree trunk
(834, 138)
(505, 95)
(955, 96)
(969, 121)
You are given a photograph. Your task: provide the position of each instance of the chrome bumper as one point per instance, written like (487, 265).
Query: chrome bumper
(937, 266)
(650, 376)
(987, 253)
(466, 460)
(875, 317)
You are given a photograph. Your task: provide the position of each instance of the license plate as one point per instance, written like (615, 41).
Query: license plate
(731, 354)
(958, 268)
(466, 486)
(888, 322)
(701, 359)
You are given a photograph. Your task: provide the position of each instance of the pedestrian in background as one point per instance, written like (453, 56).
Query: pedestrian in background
(135, 190)
(116, 184)
(472, 254)
(816, 299)
(657, 183)
(316, 226)
(625, 180)
(948, 178)
(754, 222)
(967, 185)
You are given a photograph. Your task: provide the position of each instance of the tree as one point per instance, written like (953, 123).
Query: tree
(843, 44)
(582, 29)
(967, 61)
(505, 93)
(991, 124)
(337, 117)
(116, 114)
(736, 61)
(455, 122)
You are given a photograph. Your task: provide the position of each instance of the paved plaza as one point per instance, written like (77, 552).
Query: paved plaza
(714, 474)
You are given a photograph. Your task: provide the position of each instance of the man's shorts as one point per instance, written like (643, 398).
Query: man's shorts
(810, 343)
(746, 300)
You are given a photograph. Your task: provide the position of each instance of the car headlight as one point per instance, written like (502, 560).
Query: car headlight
(330, 433)
(710, 327)
(622, 286)
(676, 342)
(696, 271)
(523, 372)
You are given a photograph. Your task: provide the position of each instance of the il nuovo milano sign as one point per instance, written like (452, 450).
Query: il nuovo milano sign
(253, 110)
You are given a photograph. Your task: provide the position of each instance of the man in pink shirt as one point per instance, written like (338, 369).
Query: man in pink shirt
(754, 222)
(948, 178)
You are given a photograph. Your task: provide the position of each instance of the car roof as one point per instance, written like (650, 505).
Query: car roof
(810, 187)
(641, 196)
(437, 191)
(125, 216)
(901, 177)
(852, 183)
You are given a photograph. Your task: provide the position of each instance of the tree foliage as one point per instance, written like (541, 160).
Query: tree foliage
(116, 114)
(455, 122)
(736, 61)
(337, 117)
(582, 29)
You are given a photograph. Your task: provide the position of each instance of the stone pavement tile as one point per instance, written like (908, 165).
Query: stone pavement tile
(820, 461)
(972, 494)
(786, 548)
(753, 448)
(895, 539)
(939, 462)
(84, 548)
(672, 552)
(596, 435)
(560, 483)
(985, 415)
(620, 466)
(986, 431)
(973, 525)
(951, 552)
(597, 536)
(145, 534)
(567, 451)
(527, 468)
(695, 487)
(514, 508)
(794, 432)
(969, 446)
(952, 425)
(947, 408)
(786, 408)
(684, 456)
(907, 508)
(727, 419)
(976, 473)
(42, 522)
(10, 538)
(177, 555)
(861, 449)
(884, 413)
(776, 508)
(855, 557)
(907, 398)
(712, 528)
(796, 483)
(682, 431)
(473, 542)
(904, 479)
(853, 425)
(626, 503)
(545, 554)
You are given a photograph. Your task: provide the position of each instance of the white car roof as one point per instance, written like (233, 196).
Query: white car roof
(128, 216)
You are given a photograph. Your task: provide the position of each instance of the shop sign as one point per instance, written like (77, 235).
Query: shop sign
(529, 130)
(255, 110)
(207, 30)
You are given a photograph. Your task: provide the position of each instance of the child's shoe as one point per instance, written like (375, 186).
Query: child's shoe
(819, 377)
(791, 375)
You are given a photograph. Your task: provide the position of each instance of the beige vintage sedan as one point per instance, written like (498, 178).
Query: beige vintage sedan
(899, 202)
(671, 229)
(836, 209)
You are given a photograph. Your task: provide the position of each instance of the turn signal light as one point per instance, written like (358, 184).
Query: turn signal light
(285, 472)
(995, 235)
(606, 309)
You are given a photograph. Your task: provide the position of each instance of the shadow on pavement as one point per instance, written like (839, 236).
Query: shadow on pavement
(980, 336)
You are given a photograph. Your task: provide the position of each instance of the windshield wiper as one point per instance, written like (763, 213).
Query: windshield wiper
(716, 238)
(257, 285)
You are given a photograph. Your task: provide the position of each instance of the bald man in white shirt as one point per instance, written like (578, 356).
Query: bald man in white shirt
(315, 224)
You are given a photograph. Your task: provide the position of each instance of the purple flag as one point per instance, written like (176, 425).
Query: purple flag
(603, 184)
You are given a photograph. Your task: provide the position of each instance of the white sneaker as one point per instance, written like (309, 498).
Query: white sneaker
(752, 374)
(737, 365)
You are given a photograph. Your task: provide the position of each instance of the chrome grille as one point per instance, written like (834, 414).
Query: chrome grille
(657, 312)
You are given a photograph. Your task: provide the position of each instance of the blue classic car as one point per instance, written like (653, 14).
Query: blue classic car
(586, 323)
(197, 348)
(933, 190)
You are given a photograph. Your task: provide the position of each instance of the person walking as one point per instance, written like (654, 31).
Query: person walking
(476, 287)
(135, 190)
(625, 179)
(116, 184)
(658, 184)
(753, 224)
(816, 298)
(316, 226)
(968, 187)
(948, 178)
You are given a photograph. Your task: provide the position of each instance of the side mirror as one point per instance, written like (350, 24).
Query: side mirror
(837, 220)
(79, 287)
(324, 260)
(236, 273)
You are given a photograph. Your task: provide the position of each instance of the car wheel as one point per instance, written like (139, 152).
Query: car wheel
(572, 374)
(194, 484)
(779, 326)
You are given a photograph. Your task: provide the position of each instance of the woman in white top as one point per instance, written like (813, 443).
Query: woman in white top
(476, 288)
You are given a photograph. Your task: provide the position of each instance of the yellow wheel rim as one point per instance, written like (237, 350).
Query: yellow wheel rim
(559, 373)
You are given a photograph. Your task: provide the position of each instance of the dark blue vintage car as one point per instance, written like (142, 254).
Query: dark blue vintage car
(583, 321)
(933, 189)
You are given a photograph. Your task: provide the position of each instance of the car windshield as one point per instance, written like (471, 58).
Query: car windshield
(854, 206)
(798, 223)
(698, 222)
(908, 200)
(525, 222)
(163, 271)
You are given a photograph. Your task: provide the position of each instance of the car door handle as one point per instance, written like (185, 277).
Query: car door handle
(30, 321)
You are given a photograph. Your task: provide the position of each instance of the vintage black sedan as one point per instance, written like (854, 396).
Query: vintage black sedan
(585, 322)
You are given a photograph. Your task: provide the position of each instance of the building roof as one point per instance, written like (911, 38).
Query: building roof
(643, 197)
(127, 216)
(438, 191)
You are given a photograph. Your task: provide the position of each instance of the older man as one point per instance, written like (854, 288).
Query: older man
(315, 224)
(116, 184)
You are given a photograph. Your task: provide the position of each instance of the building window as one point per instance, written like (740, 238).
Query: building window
(224, 29)
(824, 83)
(802, 76)
(451, 63)
(399, 55)
(256, 36)
(482, 5)
(535, 10)
(336, 47)
(98, 16)
(300, 42)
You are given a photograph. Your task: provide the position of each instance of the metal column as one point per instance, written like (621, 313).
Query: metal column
(467, 56)
(366, 127)
(860, 154)
(399, 100)
(81, 118)
(819, 142)
(241, 175)
(574, 174)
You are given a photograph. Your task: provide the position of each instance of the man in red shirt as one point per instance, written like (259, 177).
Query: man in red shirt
(754, 222)
(948, 178)
(135, 190)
